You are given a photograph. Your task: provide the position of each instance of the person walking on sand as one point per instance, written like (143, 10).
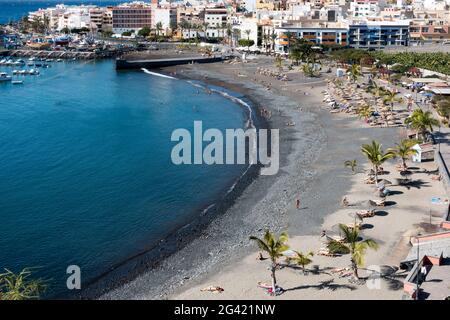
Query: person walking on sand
(297, 203)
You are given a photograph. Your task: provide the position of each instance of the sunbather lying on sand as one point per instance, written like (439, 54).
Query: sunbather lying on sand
(213, 289)
(269, 290)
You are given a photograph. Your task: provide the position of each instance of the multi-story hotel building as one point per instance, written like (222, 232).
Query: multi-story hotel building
(131, 17)
(317, 33)
(377, 34)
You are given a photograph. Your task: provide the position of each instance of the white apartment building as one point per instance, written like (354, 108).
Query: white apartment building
(330, 13)
(75, 17)
(363, 9)
(249, 5)
(248, 29)
(430, 4)
(216, 17)
(52, 14)
(166, 16)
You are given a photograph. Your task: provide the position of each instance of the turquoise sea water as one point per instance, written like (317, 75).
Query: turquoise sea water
(11, 10)
(85, 170)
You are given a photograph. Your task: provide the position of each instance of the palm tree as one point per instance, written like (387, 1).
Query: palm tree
(308, 69)
(247, 32)
(183, 25)
(279, 62)
(352, 245)
(289, 36)
(204, 29)
(37, 25)
(158, 28)
(421, 121)
(19, 286)
(404, 150)
(352, 164)
(265, 40)
(274, 248)
(375, 154)
(354, 72)
(236, 35)
(365, 112)
(273, 36)
(302, 259)
(46, 23)
(377, 90)
(390, 97)
(229, 33)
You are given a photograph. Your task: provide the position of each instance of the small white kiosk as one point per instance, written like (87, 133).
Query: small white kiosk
(424, 152)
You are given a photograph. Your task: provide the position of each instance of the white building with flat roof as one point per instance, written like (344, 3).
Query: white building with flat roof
(360, 9)
(166, 16)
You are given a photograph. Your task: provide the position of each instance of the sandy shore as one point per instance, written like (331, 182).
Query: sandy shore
(312, 153)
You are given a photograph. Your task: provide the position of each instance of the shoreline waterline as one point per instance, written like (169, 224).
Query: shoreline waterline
(131, 268)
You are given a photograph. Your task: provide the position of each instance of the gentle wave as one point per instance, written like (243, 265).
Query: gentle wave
(224, 94)
(158, 74)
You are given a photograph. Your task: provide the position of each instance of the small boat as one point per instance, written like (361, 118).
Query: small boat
(33, 72)
(59, 60)
(17, 82)
(15, 72)
(38, 65)
(5, 77)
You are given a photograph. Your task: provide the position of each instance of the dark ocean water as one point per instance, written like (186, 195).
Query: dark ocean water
(11, 10)
(85, 171)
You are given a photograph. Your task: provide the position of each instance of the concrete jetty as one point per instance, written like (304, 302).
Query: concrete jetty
(123, 64)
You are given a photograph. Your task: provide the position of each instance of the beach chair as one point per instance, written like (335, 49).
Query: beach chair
(326, 252)
(335, 238)
(369, 180)
(378, 203)
(354, 225)
(365, 213)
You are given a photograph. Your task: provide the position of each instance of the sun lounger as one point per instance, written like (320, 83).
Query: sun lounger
(326, 252)
(378, 203)
(335, 238)
(365, 213)
(354, 225)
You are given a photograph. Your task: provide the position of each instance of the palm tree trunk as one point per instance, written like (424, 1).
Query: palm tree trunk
(376, 175)
(355, 269)
(274, 279)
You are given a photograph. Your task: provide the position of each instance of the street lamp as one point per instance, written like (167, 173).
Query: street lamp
(418, 266)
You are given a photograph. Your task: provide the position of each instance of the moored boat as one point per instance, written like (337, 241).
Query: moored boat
(5, 77)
